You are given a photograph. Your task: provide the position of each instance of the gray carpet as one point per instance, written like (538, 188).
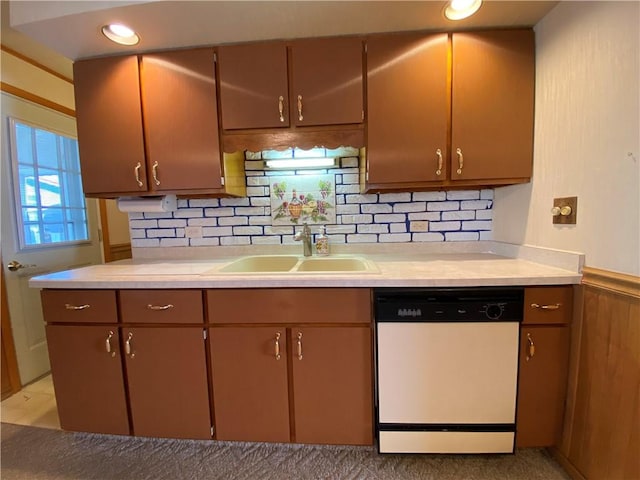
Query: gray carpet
(38, 454)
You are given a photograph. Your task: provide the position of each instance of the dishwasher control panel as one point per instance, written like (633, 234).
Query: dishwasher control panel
(448, 305)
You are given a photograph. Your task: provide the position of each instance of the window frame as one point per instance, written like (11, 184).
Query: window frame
(19, 224)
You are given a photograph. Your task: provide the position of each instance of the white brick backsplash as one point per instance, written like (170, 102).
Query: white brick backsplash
(477, 225)
(390, 218)
(247, 230)
(429, 196)
(428, 237)
(395, 238)
(350, 209)
(444, 226)
(442, 206)
(476, 204)
(369, 198)
(461, 236)
(216, 231)
(376, 208)
(431, 216)
(204, 202)
(342, 152)
(373, 228)
(223, 221)
(397, 227)
(410, 207)
(463, 195)
(357, 218)
(257, 181)
(395, 197)
(188, 213)
(235, 240)
(172, 223)
(234, 202)
(457, 215)
(362, 238)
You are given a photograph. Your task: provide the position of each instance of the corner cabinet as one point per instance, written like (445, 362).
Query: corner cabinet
(141, 119)
(450, 110)
(286, 366)
(544, 359)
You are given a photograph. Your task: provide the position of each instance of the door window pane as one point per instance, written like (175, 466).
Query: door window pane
(48, 187)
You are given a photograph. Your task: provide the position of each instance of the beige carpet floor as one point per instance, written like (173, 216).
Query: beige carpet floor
(30, 453)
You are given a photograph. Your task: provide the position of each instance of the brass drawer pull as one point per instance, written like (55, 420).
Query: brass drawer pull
(154, 170)
(300, 117)
(460, 161)
(281, 107)
(546, 307)
(299, 345)
(159, 307)
(108, 344)
(439, 155)
(137, 173)
(127, 346)
(277, 346)
(531, 350)
(76, 307)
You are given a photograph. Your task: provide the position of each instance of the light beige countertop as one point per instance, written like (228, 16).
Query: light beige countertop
(461, 265)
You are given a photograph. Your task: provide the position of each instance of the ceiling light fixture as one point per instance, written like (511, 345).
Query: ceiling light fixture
(119, 33)
(295, 163)
(459, 9)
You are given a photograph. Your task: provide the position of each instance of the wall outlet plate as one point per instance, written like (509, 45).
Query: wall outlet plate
(566, 219)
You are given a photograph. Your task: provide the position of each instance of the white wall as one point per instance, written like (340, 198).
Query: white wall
(587, 137)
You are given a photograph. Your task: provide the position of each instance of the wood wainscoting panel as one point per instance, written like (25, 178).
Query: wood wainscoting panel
(602, 432)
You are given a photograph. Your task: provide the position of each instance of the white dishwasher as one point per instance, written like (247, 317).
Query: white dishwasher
(447, 369)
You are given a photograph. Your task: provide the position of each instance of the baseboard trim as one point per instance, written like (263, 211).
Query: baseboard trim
(612, 281)
(565, 464)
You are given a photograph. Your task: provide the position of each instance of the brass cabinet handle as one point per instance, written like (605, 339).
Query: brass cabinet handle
(154, 170)
(159, 307)
(460, 160)
(108, 344)
(531, 350)
(439, 154)
(300, 117)
(76, 307)
(299, 345)
(277, 346)
(281, 107)
(546, 307)
(15, 265)
(127, 346)
(137, 173)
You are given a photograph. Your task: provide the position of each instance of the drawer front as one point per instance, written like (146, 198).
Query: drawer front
(548, 305)
(79, 306)
(161, 306)
(289, 305)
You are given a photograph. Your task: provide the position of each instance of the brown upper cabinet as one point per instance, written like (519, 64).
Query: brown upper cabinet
(141, 120)
(451, 110)
(311, 82)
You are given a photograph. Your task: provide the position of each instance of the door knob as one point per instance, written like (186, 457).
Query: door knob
(14, 266)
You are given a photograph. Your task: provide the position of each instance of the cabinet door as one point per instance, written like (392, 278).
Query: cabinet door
(250, 392)
(181, 120)
(408, 108)
(542, 385)
(167, 378)
(332, 380)
(327, 81)
(109, 118)
(253, 86)
(88, 379)
(492, 110)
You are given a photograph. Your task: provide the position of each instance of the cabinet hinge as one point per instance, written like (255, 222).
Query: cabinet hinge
(204, 334)
(367, 176)
(363, 115)
(215, 57)
(365, 48)
(222, 181)
(212, 430)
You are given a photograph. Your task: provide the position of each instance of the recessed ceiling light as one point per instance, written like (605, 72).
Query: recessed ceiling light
(119, 33)
(459, 9)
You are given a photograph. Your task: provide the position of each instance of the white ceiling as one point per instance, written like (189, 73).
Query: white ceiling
(55, 32)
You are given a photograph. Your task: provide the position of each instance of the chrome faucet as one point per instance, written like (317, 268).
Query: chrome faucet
(305, 236)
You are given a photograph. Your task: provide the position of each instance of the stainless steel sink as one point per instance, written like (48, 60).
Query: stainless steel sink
(293, 264)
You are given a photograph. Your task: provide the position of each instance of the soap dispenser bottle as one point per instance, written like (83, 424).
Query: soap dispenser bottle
(322, 242)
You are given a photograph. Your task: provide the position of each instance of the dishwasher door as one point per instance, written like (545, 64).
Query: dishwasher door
(447, 387)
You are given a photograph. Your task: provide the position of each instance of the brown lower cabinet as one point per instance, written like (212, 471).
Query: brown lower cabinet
(292, 383)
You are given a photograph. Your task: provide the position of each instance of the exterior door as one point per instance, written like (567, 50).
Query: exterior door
(29, 234)
(250, 393)
(333, 395)
(167, 377)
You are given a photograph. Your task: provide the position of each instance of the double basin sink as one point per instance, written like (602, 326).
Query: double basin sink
(268, 264)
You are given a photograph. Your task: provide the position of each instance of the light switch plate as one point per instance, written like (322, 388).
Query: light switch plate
(566, 219)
